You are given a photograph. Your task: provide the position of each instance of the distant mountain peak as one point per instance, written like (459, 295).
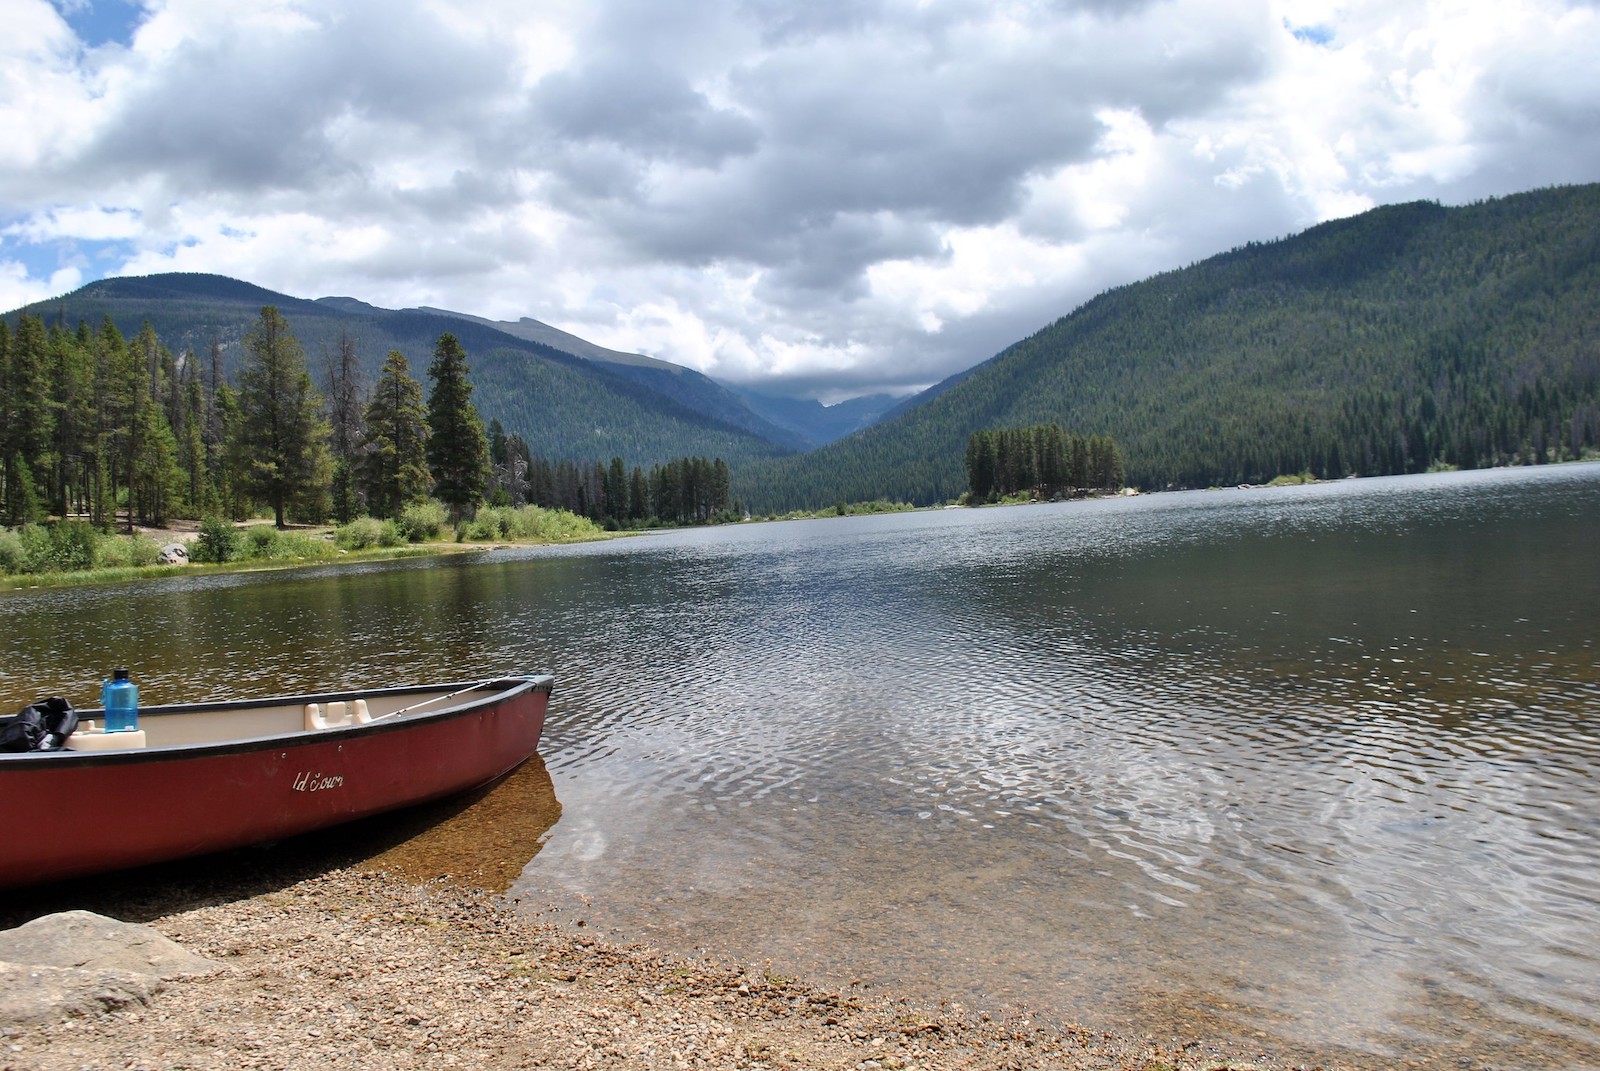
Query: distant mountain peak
(167, 286)
(535, 331)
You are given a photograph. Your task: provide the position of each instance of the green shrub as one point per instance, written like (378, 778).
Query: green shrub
(117, 552)
(121, 552)
(264, 543)
(74, 547)
(491, 524)
(142, 550)
(36, 548)
(29, 549)
(217, 541)
(359, 534)
(422, 521)
(364, 533)
(301, 546)
(13, 555)
(534, 524)
(258, 542)
(527, 524)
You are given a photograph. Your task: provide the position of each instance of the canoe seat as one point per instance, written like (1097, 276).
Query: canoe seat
(98, 740)
(338, 713)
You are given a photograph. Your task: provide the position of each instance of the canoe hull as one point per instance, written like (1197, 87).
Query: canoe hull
(109, 810)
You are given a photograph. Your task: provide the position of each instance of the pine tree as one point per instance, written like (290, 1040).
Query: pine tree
(215, 437)
(458, 448)
(282, 427)
(344, 394)
(638, 496)
(981, 465)
(346, 500)
(26, 420)
(233, 457)
(155, 482)
(201, 494)
(721, 484)
(393, 455)
(617, 506)
(71, 391)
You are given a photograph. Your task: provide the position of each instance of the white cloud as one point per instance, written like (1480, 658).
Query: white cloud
(837, 197)
(19, 287)
(82, 222)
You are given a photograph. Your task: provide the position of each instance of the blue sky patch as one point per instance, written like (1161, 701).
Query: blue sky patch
(1316, 35)
(100, 22)
(94, 258)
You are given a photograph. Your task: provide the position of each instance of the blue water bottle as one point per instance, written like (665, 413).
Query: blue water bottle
(120, 697)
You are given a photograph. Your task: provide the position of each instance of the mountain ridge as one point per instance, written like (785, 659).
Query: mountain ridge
(1405, 337)
(684, 385)
(1402, 338)
(603, 414)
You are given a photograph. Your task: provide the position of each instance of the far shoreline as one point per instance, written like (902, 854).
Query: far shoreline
(187, 531)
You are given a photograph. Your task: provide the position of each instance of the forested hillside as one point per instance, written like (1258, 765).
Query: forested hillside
(1404, 338)
(685, 386)
(562, 405)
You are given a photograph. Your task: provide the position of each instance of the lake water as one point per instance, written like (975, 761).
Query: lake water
(1309, 768)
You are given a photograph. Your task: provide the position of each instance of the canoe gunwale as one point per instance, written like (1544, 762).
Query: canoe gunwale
(475, 696)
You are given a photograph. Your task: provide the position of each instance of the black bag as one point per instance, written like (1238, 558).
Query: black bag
(21, 732)
(43, 725)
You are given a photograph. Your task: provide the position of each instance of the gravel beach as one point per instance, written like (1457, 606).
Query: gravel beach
(361, 968)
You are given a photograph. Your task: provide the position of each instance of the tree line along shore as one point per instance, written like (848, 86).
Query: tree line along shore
(102, 435)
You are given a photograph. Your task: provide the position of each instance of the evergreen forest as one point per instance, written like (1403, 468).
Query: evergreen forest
(1407, 338)
(1044, 461)
(563, 405)
(682, 491)
(122, 432)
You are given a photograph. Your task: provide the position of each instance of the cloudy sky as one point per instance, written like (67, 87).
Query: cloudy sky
(828, 197)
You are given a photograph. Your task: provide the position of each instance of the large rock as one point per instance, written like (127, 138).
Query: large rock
(45, 994)
(80, 963)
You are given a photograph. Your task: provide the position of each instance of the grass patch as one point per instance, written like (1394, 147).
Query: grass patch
(74, 553)
(529, 524)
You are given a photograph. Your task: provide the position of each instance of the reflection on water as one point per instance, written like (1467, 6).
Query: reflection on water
(1315, 764)
(481, 840)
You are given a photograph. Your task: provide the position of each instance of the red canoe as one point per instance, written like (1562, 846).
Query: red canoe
(207, 776)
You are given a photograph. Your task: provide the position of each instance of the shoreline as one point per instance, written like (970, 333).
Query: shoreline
(360, 967)
(186, 531)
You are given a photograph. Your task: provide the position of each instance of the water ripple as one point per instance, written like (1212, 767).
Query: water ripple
(1317, 762)
(1136, 718)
